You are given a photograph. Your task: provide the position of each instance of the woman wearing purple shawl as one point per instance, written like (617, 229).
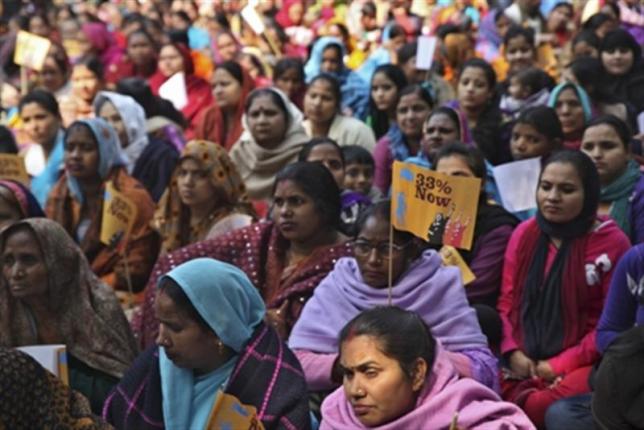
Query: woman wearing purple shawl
(421, 284)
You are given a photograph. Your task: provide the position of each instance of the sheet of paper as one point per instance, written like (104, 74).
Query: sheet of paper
(51, 357)
(31, 50)
(252, 18)
(640, 122)
(517, 183)
(13, 167)
(425, 52)
(174, 90)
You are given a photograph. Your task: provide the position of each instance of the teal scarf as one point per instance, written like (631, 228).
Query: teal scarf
(619, 192)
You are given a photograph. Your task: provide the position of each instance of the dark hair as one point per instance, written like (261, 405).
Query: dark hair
(286, 64)
(401, 335)
(7, 141)
(380, 119)
(563, 4)
(396, 30)
(588, 73)
(518, 31)
(60, 58)
(621, 38)
(406, 52)
(544, 119)
(420, 91)
(39, 14)
(275, 98)
(333, 82)
(338, 49)
(315, 180)
(308, 147)
(234, 69)
(44, 98)
(93, 64)
(170, 288)
(621, 128)
(144, 33)
(451, 113)
(470, 154)
(182, 15)
(534, 78)
(488, 71)
(177, 37)
(355, 154)
(596, 21)
(131, 18)
(381, 210)
(139, 90)
(587, 36)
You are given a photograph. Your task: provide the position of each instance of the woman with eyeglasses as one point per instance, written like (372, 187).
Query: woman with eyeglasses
(421, 284)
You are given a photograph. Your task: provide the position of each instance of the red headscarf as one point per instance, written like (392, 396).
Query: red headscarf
(282, 17)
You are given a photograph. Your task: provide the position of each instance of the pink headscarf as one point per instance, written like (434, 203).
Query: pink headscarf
(103, 42)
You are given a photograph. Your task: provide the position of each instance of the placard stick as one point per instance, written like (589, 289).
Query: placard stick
(390, 268)
(454, 424)
(128, 280)
(271, 44)
(24, 84)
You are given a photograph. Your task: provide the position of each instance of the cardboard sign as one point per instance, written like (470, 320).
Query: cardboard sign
(51, 357)
(119, 214)
(174, 90)
(31, 50)
(517, 183)
(435, 207)
(451, 257)
(252, 18)
(229, 413)
(13, 167)
(425, 52)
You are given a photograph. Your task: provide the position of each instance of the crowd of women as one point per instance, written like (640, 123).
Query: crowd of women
(261, 284)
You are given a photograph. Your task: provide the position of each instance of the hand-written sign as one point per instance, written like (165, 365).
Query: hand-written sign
(435, 207)
(13, 167)
(119, 214)
(31, 50)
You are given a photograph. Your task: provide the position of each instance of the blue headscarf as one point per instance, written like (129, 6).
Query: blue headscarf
(231, 306)
(110, 154)
(42, 184)
(581, 95)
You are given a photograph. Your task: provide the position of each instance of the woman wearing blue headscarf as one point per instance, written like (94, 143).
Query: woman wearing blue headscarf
(574, 110)
(216, 364)
(93, 157)
(327, 56)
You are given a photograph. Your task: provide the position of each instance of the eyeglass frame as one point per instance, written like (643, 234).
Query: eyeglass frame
(395, 248)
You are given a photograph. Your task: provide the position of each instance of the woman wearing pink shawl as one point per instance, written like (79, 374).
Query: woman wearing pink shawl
(101, 43)
(396, 376)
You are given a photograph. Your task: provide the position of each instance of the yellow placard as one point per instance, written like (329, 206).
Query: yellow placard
(13, 167)
(119, 214)
(451, 257)
(31, 50)
(229, 413)
(435, 207)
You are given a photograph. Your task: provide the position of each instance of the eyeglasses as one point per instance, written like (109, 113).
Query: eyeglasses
(362, 248)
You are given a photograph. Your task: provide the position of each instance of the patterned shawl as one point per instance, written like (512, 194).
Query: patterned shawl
(259, 250)
(89, 318)
(172, 218)
(267, 376)
(32, 398)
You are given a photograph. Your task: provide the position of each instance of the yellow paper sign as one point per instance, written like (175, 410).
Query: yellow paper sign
(435, 207)
(31, 50)
(13, 167)
(119, 214)
(451, 257)
(229, 413)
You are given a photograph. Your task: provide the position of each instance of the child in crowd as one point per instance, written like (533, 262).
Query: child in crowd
(528, 87)
(358, 172)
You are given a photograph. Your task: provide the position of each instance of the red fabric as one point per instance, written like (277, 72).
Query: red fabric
(282, 17)
(125, 68)
(583, 296)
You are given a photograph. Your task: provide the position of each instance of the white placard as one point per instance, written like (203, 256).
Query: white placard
(425, 52)
(517, 183)
(250, 15)
(174, 90)
(51, 357)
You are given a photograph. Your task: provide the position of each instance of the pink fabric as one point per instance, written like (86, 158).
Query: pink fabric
(317, 369)
(383, 161)
(103, 42)
(444, 394)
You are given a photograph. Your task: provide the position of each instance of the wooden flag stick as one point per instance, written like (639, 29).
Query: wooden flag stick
(128, 280)
(454, 424)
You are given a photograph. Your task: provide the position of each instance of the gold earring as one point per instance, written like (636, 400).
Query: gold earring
(220, 347)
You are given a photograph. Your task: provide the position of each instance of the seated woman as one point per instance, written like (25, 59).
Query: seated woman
(273, 136)
(92, 158)
(288, 77)
(558, 266)
(606, 141)
(217, 364)
(42, 122)
(324, 118)
(140, 59)
(387, 81)
(222, 122)
(493, 228)
(205, 199)
(396, 375)
(420, 283)
(150, 164)
(574, 111)
(87, 80)
(403, 138)
(16, 203)
(49, 295)
(285, 258)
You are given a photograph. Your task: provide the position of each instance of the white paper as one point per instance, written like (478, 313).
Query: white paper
(517, 183)
(45, 355)
(640, 122)
(253, 19)
(425, 52)
(174, 90)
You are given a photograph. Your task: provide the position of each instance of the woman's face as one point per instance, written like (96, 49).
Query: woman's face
(384, 92)
(295, 213)
(375, 384)
(195, 187)
(439, 130)
(40, 124)
(267, 122)
(39, 27)
(320, 104)
(289, 82)
(560, 194)
(618, 61)
(411, 113)
(110, 114)
(359, 177)
(81, 154)
(604, 146)
(140, 49)
(186, 343)
(454, 165)
(570, 112)
(85, 83)
(331, 60)
(9, 211)
(226, 89)
(527, 142)
(51, 77)
(226, 47)
(328, 155)
(371, 250)
(170, 61)
(584, 49)
(519, 54)
(23, 265)
(473, 89)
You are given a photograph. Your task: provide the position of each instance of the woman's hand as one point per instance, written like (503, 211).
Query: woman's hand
(521, 365)
(276, 318)
(544, 371)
